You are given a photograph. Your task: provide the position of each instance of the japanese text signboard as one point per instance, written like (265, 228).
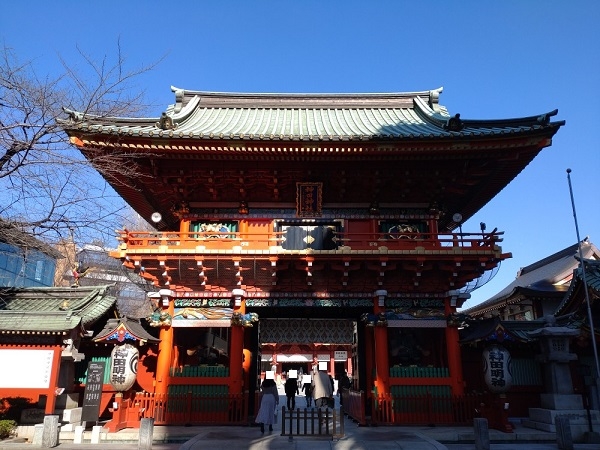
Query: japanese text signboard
(309, 199)
(93, 392)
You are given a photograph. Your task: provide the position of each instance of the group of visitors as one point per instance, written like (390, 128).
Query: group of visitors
(320, 388)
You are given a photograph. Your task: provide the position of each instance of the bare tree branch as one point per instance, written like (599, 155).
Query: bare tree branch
(47, 187)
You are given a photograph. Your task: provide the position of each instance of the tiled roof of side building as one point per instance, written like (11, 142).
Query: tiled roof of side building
(592, 278)
(52, 309)
(542, 277)
(307, 117)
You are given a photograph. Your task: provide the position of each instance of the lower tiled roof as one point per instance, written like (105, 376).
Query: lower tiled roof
(52, 309)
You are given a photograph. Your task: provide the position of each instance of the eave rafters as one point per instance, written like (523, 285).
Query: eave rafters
(378, 147)
(296, 272)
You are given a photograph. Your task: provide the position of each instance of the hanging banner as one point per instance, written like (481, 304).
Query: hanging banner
(497, 370)
(123, 367)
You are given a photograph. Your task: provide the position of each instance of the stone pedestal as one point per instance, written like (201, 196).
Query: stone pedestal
(71, 418)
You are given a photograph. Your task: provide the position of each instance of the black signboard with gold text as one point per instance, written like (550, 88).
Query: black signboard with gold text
(93, 392)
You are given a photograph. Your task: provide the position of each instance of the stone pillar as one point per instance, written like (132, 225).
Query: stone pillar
(564, 438)
(38, 434)
(482, 434)
(96, 434)
(50, 434)
(146, 434)
(78, 436)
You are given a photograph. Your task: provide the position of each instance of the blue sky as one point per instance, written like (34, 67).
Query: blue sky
(494, 60)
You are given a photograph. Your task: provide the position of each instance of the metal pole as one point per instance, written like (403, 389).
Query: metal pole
(585, 288)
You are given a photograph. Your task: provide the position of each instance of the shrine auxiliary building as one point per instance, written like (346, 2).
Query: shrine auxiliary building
(305, 227)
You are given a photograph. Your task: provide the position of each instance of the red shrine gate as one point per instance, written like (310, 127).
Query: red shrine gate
(302, 207)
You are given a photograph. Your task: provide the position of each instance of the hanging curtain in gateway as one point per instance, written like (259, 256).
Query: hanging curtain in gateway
(317, 237)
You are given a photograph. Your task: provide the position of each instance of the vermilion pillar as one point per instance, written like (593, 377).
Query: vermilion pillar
(236, 348)
(165, 348)
(380, 334)
(454, 357)
(53, 383)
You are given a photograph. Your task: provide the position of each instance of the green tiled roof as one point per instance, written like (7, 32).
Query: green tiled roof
(52, 309)
(572, 301)
(306, 117)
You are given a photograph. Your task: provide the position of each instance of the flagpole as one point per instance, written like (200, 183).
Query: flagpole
(586, 290)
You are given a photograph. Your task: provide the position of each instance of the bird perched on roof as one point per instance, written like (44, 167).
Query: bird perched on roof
(79, 271)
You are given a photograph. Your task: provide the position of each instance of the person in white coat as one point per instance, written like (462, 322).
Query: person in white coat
(321, 388)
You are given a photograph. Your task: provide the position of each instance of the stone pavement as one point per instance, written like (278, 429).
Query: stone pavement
(356, 438)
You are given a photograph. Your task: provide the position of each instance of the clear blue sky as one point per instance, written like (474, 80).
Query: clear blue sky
(495, 59)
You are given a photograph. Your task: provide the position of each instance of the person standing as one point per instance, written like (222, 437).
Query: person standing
(268, 403)
(307, 389)
(291, 389)
(343, 386)
(321, 388)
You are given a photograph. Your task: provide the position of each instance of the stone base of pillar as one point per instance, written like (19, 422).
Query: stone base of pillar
(545, 420)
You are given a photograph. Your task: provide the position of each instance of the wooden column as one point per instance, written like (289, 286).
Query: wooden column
(236, 347)
(184, 227)
(454, 356)
(53, 383)
(331, 363)
(165, 347)
(369, 360)
(382, 363)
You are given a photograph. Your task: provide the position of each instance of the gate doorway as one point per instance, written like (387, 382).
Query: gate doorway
(299, 344)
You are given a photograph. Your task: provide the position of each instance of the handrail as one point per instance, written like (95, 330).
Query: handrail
(348, 241)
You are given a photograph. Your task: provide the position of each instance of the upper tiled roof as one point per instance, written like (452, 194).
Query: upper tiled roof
(52, 309)
(306, 117)
(542, 277)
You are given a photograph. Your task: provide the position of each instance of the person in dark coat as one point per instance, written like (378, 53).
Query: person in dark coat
(343, 386)
(291, 389)
(307, 388)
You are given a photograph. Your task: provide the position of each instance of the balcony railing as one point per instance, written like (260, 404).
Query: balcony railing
(272, 241)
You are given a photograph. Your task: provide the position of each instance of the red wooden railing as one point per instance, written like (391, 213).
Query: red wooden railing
(354, 405)
(193, 409)
(425, 410)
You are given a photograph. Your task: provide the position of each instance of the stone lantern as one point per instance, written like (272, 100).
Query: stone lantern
(559, 398)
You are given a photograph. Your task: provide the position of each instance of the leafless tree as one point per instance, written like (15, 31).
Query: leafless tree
(47, 187)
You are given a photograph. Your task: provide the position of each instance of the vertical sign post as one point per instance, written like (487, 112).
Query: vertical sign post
(93, 392)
